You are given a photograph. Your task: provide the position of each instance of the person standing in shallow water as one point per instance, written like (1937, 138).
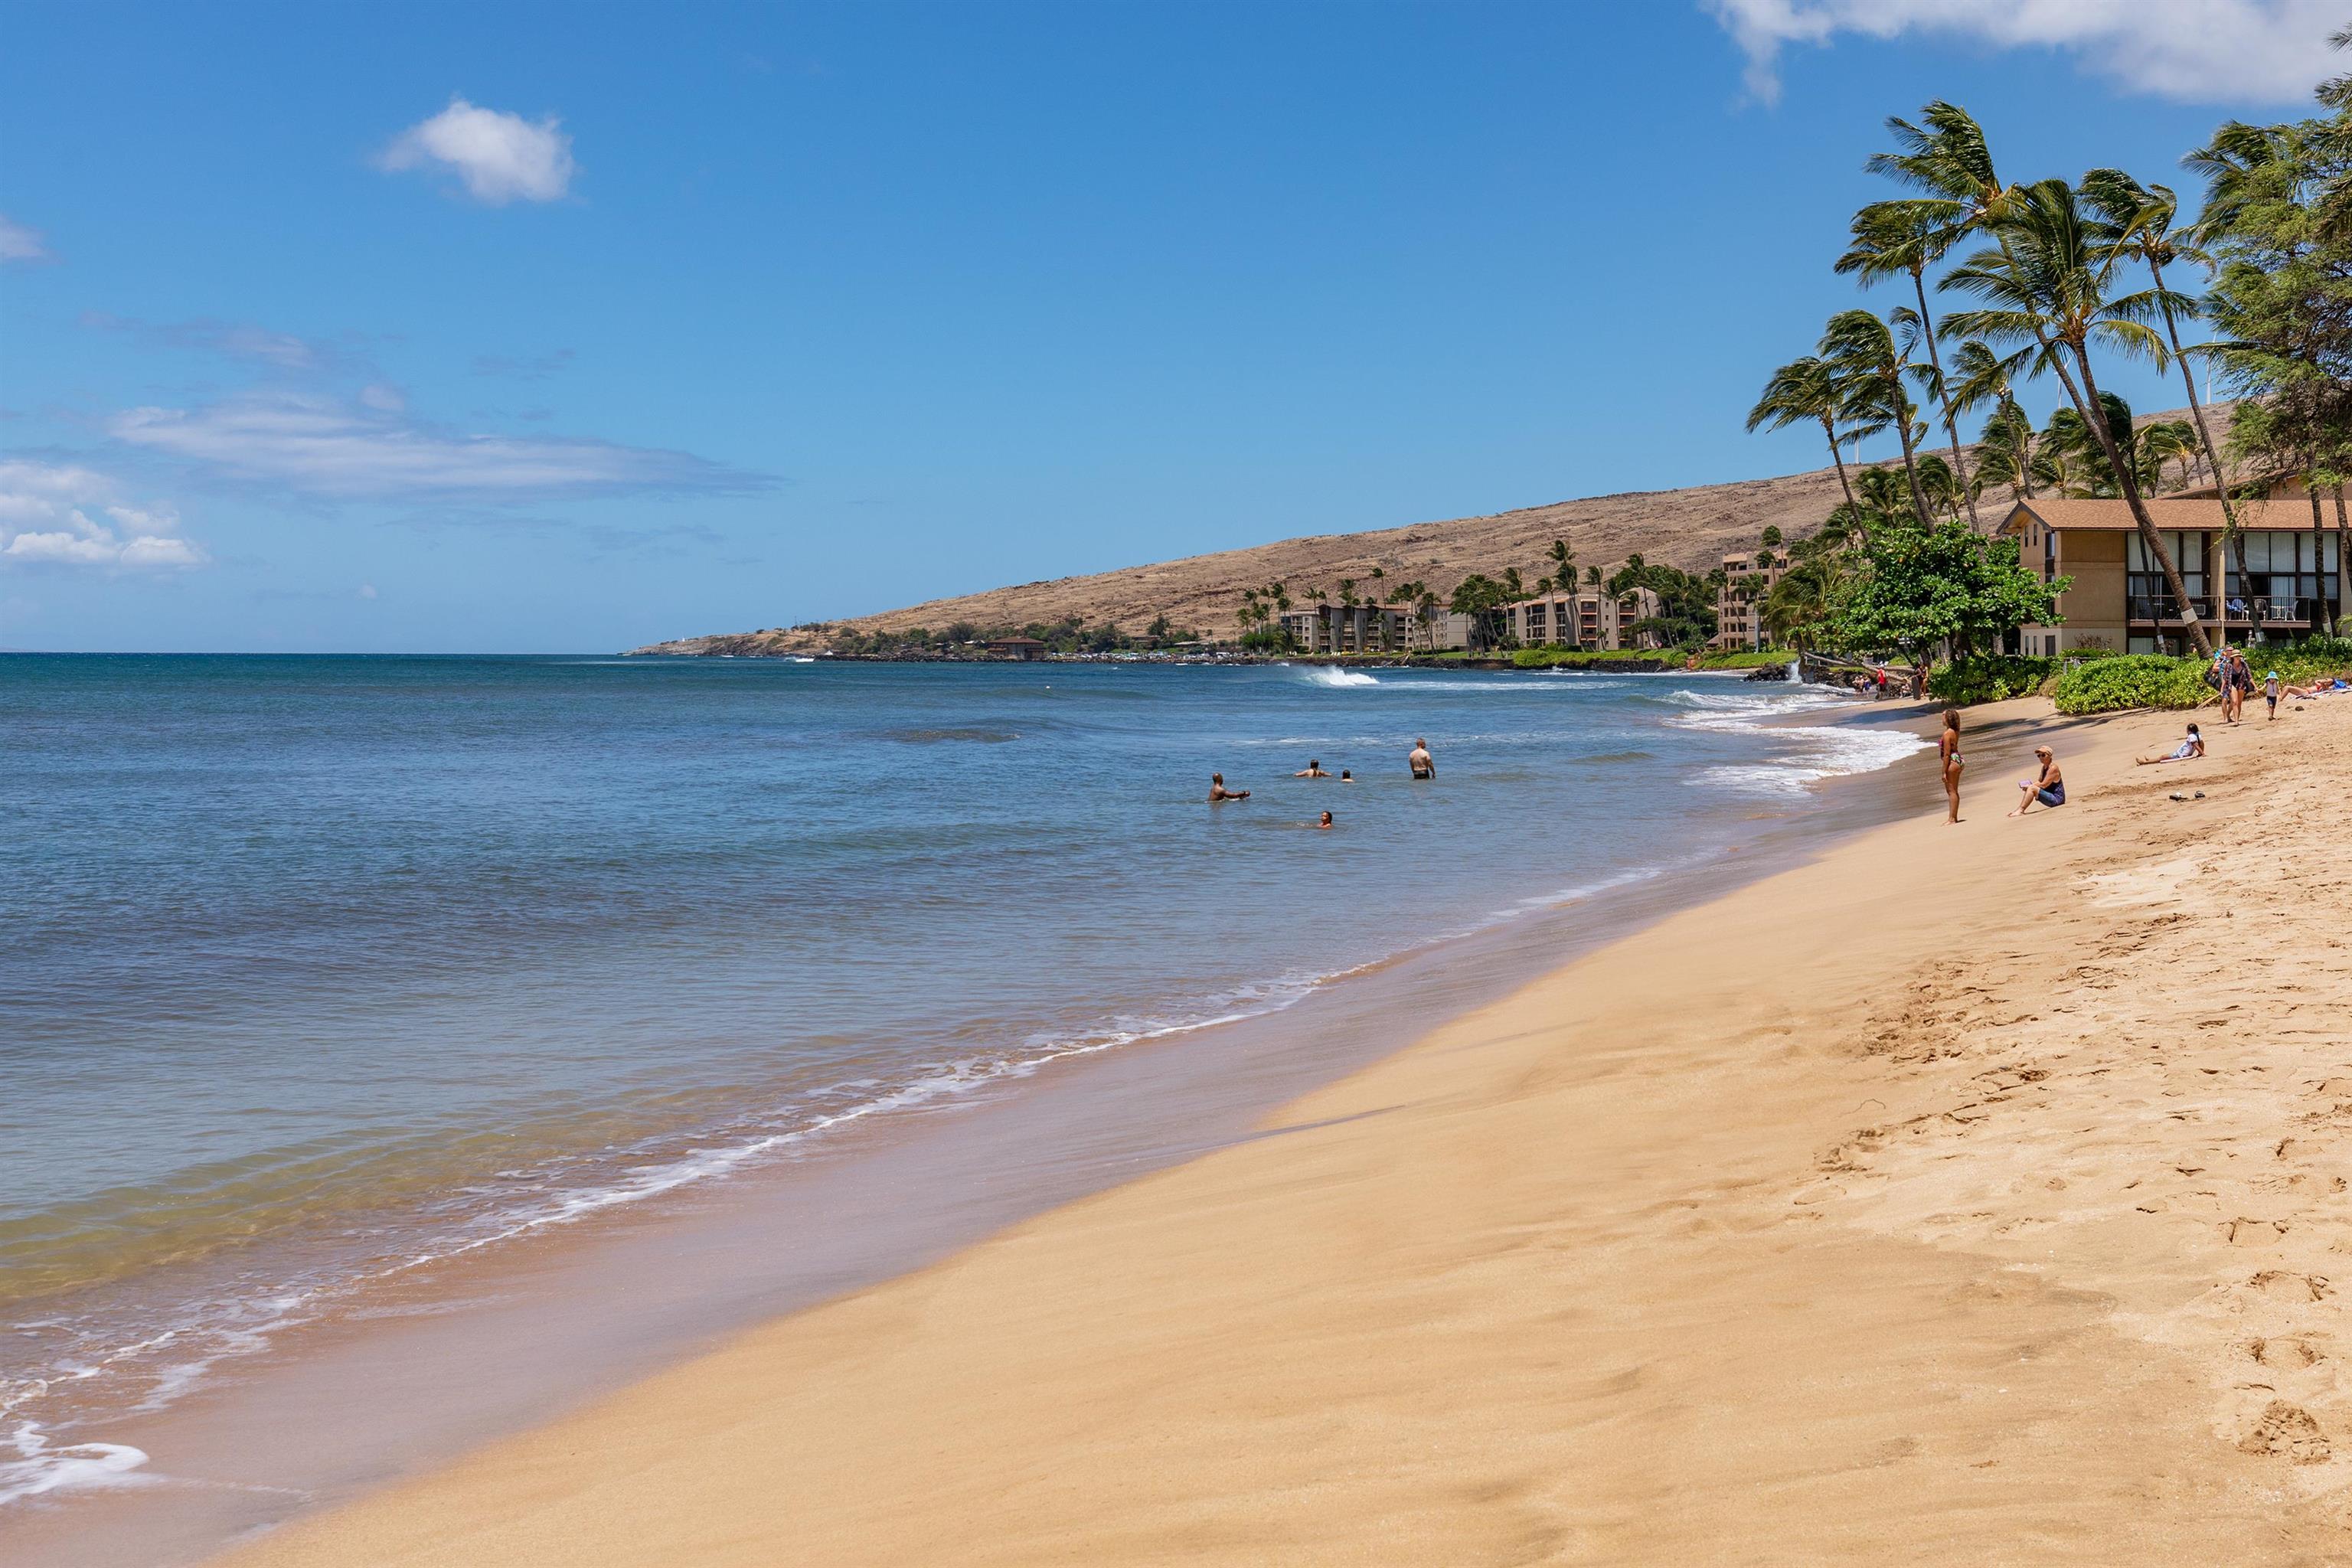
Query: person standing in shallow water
(1423, 764)
(1948, 748)
(1218, 792)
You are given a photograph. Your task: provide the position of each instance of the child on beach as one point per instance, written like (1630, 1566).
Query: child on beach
(2187, 751)
(2270, 692)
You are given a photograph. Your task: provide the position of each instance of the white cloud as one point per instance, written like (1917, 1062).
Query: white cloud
(367, 590)
(44, 520)
(333, 448)
(18, 243)
(2271, 51)
(237, 339)
(500, 157)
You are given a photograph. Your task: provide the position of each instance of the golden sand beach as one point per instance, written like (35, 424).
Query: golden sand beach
(1970, 1194)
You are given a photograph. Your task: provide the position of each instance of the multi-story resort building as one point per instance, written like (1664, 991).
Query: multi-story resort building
(1351, 628)
(1739, 603)
(1585, 620)
(2295, 577)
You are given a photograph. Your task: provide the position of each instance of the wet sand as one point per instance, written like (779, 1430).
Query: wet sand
(1966, 1195)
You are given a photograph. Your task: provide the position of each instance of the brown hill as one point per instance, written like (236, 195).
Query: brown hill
(1693, 529)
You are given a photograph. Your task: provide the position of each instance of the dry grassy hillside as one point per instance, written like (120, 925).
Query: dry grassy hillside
(1693, 529)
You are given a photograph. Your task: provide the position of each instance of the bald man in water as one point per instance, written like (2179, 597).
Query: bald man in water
(1423, 764)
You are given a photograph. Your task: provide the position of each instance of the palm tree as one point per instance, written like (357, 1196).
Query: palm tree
(1348, 591)
(1904, 239)
(1868, 365)
(2143, 220)
(1980, 376)
(1802, 389)
(2047, 282)
(1562, 556)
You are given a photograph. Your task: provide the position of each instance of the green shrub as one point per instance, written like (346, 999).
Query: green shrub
(1549, 658)
(2131, 680)
(1745, 659)
(1990, 677)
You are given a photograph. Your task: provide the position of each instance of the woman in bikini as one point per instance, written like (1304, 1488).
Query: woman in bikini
(1949, 749)
(2046, 788)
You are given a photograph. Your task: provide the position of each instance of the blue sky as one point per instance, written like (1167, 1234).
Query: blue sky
(522, 327)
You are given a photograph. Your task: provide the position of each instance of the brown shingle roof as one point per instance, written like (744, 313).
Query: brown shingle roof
(2067, 514)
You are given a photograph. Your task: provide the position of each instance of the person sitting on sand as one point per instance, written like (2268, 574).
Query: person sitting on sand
(2047, 788)
(1217, 790)
(1423, 764)
(1313, 770)
(2189, 749)
(1326, 822)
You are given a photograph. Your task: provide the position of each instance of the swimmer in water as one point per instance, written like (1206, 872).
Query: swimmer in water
(1347, 777)
(1218, 792)
(1423, 764)
(1326, 822)
(1313, 770)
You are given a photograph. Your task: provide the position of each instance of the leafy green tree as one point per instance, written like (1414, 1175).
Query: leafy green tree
(1922, 588)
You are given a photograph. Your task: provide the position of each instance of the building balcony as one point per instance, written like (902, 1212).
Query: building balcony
(2164, 609)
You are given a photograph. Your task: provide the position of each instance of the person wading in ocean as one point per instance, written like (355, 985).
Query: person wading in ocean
(1423, 764)
(1218, 792)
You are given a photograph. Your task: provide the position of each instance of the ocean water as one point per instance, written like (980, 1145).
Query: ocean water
(314, 971)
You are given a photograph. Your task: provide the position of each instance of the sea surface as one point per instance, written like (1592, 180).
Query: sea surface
(315, 970)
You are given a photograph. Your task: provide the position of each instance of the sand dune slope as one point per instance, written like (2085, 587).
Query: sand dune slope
(1973, 1195)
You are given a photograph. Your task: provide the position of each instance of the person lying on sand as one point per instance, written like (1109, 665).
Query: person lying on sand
(1313, 770)
(1217, 790)
(2047, 787)
(2189, 749)
(1423, 764)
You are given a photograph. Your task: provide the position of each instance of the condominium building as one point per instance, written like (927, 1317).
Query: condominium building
(2294, 576)
(1351, 629)
(1739, 603)
(1586, 620)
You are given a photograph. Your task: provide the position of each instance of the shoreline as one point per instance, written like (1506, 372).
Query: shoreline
(1674, 1251)
(222, 1458)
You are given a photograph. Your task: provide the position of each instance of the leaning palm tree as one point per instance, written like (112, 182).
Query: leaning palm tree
(1869, 365)
(2144, 221)
(1904, 238)
(2048, 283)
(2005, 453)
(1802, 389)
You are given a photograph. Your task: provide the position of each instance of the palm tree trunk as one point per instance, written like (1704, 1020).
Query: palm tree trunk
(2086, 404)
(1943, 393)
(1910, 460)
(1829, 427)
(2230, 536)
(2318, 527)
(2343, 560)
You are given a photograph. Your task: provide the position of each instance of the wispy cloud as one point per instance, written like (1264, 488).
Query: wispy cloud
(45, 519)
(329, 447)
(2195, 50)
(240, 340)
(522, 367)
(18, 243)
(498, 157)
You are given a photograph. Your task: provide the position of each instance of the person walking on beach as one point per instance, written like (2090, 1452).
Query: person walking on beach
(1218, 792)
(1948, 748)
(1423, 764)
(2047, 788)
(2270, 692)
(2241, 681)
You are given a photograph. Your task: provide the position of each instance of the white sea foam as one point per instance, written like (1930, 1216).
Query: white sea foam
(1332, 675)
(1794, 756)
(41, 1467)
